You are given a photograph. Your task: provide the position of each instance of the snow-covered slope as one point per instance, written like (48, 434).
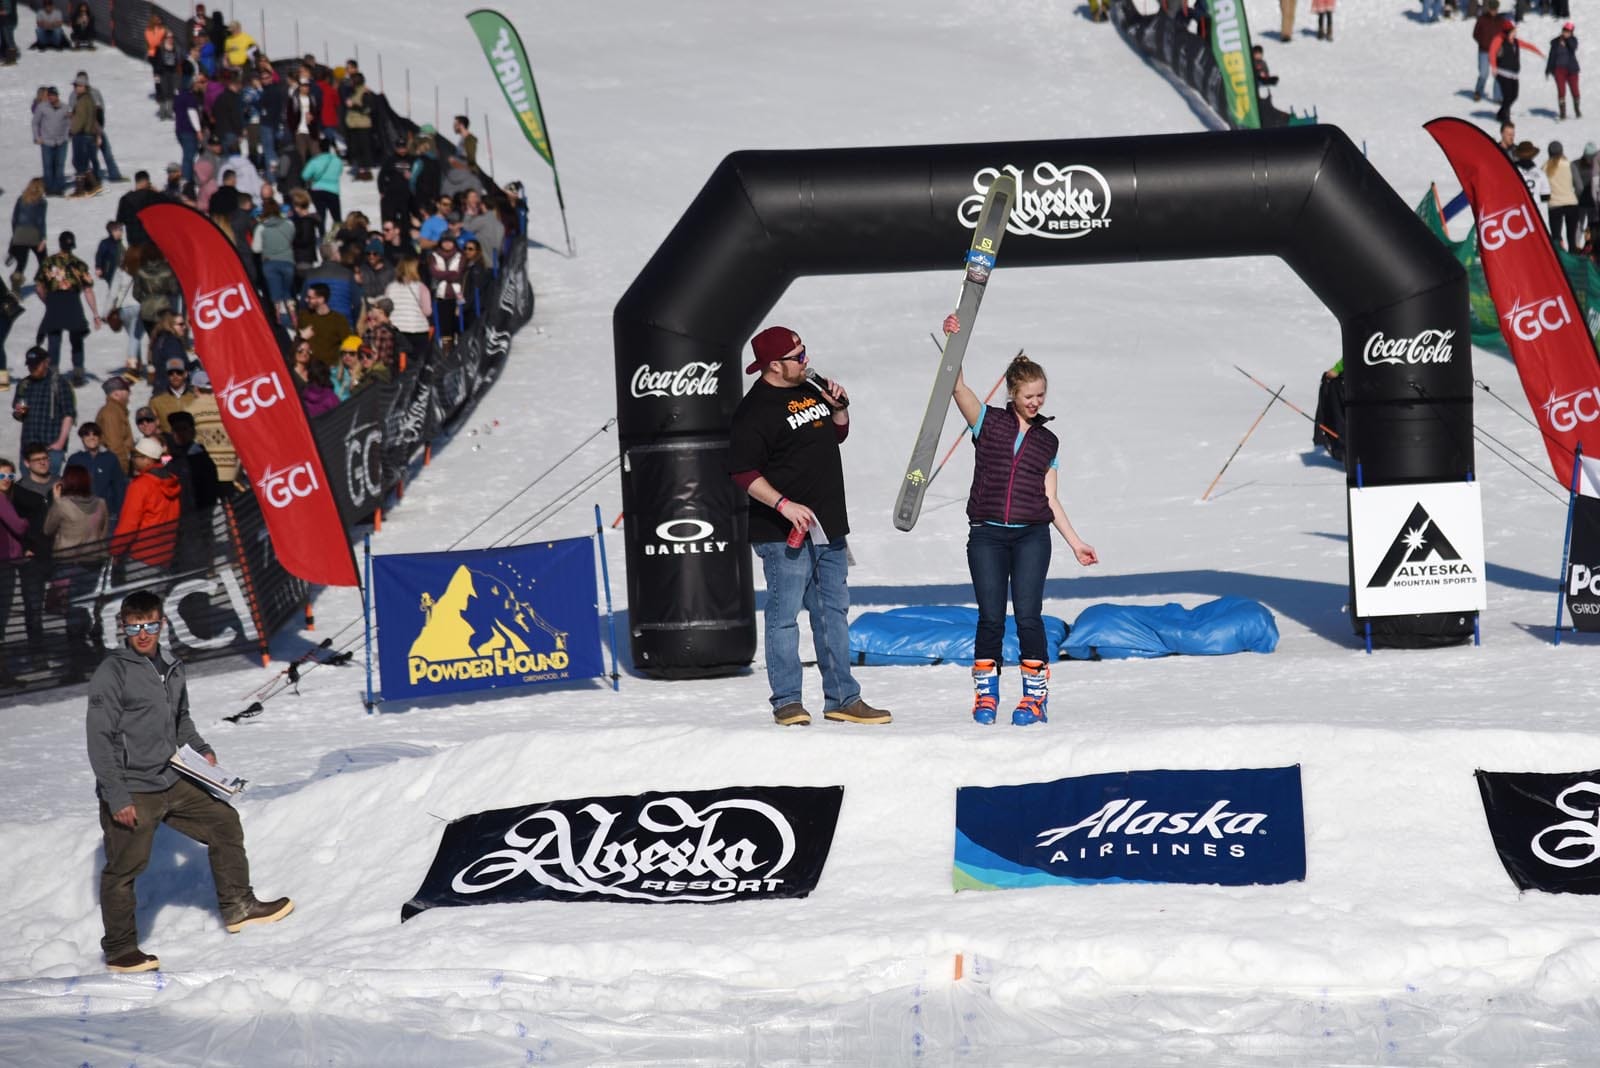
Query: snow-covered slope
(1406, 943)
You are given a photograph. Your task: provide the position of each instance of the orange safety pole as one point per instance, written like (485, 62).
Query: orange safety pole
(618, 521)
(377, 519)
(311, 619)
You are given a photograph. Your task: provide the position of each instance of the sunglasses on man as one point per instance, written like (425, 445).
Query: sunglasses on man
(797, 357)
(133, 630)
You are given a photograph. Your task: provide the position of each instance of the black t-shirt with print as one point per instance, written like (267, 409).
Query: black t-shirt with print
(787, 434)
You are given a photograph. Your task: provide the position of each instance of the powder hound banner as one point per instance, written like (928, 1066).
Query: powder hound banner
(449, 622)
(1417, 548)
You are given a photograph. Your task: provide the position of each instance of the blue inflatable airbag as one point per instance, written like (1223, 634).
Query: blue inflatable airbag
(1226, 625)
(935, 634)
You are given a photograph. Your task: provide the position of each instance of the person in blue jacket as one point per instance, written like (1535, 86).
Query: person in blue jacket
(1010, 510)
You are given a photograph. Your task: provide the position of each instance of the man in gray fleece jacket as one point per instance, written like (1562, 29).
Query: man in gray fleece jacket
(138, 718)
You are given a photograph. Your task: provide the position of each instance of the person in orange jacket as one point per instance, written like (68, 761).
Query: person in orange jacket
(147, 529)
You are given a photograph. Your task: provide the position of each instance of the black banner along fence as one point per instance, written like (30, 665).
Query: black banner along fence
(219, 581)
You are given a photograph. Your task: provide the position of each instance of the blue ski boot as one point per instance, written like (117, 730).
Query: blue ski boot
(1035, 694)
(986, 690)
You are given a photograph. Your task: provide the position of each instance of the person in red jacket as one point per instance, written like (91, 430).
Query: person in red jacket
(147, 530)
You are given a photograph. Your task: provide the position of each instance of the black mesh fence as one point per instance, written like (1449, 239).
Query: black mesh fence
(122, 23)
(220, 583)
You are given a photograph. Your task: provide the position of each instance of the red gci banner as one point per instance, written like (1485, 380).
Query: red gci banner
(1539, 314)
(260, 409)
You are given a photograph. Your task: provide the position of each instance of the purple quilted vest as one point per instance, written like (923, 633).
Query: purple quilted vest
(1008, 487)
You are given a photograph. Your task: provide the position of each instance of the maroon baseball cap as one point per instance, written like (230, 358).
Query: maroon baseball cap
(773, 343)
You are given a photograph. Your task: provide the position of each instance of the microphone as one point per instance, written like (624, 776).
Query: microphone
(821, 385)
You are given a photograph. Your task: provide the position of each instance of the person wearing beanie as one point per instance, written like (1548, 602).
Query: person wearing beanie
(1563, 203)
(1562, 64)
(783, 451)
(147, 529)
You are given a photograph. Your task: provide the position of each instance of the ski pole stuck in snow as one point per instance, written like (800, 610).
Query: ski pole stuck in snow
(1207, 494)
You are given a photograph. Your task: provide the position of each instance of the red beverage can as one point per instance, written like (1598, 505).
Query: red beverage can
(797, 537)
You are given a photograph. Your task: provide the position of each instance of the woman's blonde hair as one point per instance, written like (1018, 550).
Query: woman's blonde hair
(34, 192)
(407, 270)
(1021, 371)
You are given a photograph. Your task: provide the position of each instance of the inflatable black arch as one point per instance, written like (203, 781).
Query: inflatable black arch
(765, 218)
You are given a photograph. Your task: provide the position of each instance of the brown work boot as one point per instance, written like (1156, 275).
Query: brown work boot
(793, 714)
(252, 912)
(135, 960)
(857, 711)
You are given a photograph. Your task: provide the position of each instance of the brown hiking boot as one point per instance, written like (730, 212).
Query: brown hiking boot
(253, 912)
(857, 711)
(793, 714)
(135, 960)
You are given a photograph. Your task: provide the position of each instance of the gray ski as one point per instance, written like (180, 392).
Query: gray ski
(980, 261)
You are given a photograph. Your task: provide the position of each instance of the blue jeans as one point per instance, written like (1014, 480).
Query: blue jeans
(133, 327)
(49, 38)
(280, 283)
(812, 577)
(1018, 557)
(84, 160)
(188, 143)
(1431, 10)
(269, 151)
(112, 171)
(1483, 77)
(54, 159)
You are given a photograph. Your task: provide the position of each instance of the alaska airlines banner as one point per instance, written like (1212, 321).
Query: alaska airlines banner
(702, 846)
(259, 407)
(1233, 828)
(1541, 317)
(474, 620)
(1546, 828)
(1418, 548)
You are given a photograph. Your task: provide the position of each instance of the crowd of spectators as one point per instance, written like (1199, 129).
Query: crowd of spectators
(264, 150)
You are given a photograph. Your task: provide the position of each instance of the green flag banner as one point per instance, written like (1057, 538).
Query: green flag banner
(1581, 272)
(1230, 44)
(503, 48)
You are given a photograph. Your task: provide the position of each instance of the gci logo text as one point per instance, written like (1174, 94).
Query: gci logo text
(245, 398)
(1530, 321)
(1565, 412)
(280, 487)
(208, 310)
(1511, 224)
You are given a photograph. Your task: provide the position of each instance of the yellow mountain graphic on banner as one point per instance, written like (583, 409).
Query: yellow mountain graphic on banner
(477, 615)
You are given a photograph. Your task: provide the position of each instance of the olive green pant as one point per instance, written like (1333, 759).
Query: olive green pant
(190, 811)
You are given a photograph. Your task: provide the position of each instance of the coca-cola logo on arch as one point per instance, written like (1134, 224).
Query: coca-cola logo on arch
(702, 846)
(699, 379)
(1427, 346)
(1053, 201)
